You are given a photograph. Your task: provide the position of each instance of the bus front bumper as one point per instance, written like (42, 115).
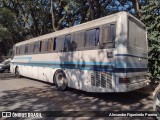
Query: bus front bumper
(131, 87)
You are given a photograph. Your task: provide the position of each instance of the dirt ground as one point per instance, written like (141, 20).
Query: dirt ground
(24, 94)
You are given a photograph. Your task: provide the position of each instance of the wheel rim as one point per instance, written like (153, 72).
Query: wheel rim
(60, 79)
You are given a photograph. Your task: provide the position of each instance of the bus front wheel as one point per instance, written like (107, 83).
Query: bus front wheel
(60, 80)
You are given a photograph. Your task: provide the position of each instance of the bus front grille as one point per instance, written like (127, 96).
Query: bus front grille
(101, 79)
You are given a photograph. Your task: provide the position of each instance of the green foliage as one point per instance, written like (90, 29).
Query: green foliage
(150, 15)
(24, 19)
(6, 22)
(4, 34)
(6, 27)
(6, 18)
(21, 19)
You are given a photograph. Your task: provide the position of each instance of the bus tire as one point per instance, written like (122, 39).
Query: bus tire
(60, 80)
(17, 74)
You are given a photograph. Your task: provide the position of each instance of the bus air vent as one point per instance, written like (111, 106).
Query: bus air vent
(93, 79)
(101, 79)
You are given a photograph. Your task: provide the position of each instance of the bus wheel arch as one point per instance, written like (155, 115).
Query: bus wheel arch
(60, 80)
(17, 73)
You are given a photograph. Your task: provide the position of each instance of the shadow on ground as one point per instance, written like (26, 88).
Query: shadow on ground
(6, 76)
(48, 98)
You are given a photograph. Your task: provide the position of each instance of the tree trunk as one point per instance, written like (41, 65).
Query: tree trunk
(53, 17)
(91, 10)
(136, 7)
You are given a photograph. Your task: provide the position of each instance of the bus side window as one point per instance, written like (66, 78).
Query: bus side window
(50, 44)
(60, 44)
(105, 33)
(40, 47)
(36, 47)
(113, 32)
(17, 48)
(44, 46)
(31, 48)
(97, 37)
(22, 49)
(79, 40)
(67, 43)
(14, 50)
(26, 49)
(108, 35)
(54, 43)
(92, 37)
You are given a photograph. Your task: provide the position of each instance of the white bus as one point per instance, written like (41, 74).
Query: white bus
(104, 55)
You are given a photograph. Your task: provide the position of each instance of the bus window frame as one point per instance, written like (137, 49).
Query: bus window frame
(17, 49)
(19, 53)
(31, 51)
(52, 50)
(26, 45)
(75, 41)
(69, 48)
(35, 52)
(99, 39)
(50, 45)
(42, 47)
(22, 49)
(61, 39)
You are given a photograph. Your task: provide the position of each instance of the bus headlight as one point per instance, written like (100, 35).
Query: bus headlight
(124, 80)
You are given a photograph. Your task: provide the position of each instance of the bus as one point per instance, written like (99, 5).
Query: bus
(104, 55)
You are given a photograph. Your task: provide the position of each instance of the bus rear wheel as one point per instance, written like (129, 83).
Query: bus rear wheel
(17, 74)
(60, 80)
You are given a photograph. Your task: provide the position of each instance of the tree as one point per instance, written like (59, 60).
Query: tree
(6, 28)
(23, 19)
(150, 15)
(58, 13)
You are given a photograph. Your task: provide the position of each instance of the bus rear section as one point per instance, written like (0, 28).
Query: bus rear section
(132, 72)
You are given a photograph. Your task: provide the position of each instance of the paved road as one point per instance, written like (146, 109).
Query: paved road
(31, 95)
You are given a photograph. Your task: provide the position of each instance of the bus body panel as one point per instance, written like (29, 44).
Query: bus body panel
(78, 69)
(135, 66)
